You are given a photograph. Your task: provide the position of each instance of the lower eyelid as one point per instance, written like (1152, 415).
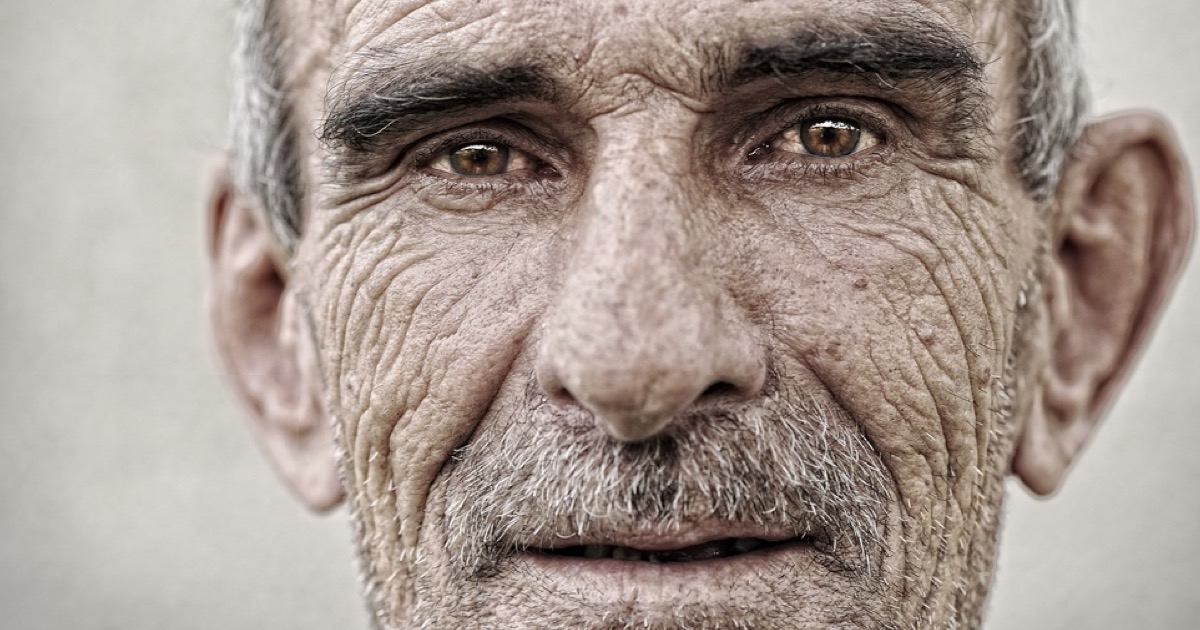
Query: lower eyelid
(510, 181)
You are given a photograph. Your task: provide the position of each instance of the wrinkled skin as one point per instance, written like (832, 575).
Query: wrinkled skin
(656, 267)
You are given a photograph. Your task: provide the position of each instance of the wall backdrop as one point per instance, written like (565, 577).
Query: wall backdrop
(131, 495)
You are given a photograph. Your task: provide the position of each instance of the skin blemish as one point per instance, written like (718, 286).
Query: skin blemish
(926, 334)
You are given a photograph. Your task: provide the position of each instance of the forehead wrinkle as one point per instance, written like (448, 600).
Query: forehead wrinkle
(368, 20)
(954, 11)
(425, 33)
(360, 19)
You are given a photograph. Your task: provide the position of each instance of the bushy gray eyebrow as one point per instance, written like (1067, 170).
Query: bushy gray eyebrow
(888, 53)
(390, 99)
(372, 116)
(891, 49)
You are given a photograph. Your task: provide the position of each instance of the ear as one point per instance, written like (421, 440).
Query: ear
(265, 347)
(1122, 229)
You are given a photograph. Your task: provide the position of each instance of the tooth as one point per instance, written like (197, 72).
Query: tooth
(653, 558)
(593, 551)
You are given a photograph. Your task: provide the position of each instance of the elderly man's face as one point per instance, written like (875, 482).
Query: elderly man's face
(713, 314)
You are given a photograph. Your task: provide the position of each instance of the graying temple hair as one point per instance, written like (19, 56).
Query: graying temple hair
(1052, 100)
(265, 143)
(1053, 93)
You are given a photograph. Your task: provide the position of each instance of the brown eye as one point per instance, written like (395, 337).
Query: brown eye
(829, 138)
(826, 137)
(482, 160)
(479, 159)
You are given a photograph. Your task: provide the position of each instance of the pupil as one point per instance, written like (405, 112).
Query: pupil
(478, 160)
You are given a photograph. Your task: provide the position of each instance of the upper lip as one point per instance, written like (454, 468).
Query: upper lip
(671, 539)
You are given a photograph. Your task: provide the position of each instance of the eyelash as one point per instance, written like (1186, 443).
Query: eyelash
(426, 155)
(869, 121)
(826, 169)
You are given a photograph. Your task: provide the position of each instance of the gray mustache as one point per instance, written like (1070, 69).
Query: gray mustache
(782, 462)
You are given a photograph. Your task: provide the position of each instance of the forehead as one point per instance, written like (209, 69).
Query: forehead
(609, 36)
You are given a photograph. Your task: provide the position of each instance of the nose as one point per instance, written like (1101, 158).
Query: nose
(642, 330)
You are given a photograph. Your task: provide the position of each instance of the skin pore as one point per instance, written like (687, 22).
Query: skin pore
(640, 315)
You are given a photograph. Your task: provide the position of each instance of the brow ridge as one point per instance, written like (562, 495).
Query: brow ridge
(368, 116)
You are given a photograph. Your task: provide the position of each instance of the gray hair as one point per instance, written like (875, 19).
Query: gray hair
(266, 138)
(1053, 103)
(1053, 97)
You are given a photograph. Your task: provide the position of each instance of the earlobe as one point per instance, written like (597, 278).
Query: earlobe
(266, 348)
(1121, 230)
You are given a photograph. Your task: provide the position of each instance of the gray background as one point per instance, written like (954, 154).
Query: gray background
(131, 495)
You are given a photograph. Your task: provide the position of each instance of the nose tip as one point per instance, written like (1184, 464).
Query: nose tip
(632, 403)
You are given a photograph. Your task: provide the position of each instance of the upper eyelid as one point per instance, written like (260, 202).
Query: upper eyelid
(780, 118)
(533, 138)
(870, 121)
(878, 136)
(427, 151)
(877, 117)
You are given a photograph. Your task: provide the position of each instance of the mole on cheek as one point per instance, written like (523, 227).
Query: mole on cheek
(926, 334)
(860, 284)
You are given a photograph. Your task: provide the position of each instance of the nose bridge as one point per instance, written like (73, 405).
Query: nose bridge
(641, 329)
(635, 274)
(638, 238)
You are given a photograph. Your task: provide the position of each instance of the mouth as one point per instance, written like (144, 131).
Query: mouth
(710, 550)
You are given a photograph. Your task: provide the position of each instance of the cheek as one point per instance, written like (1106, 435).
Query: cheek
(418, 326)
(900, 307)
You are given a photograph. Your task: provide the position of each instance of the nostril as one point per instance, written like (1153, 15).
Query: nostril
(548, 375)
(560, 396)
(722, 389)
